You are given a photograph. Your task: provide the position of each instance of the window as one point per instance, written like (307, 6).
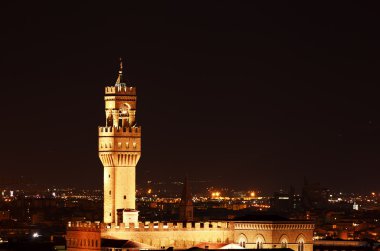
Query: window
(300, 246)
(125, 197)
(119, 144)
(127, 145)
(284, 244)
(110, 192)
(134, 144)
(259, 245)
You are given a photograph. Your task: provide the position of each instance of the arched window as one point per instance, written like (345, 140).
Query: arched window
(284, 244)
(301, 245)
(259, 241)
(284, 241)
(242, 240)
(259, 245)
(301, 242)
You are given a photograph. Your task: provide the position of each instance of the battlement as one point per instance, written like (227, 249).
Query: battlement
(84, 226)
(119, 131)
(122, 90)
(149, 226)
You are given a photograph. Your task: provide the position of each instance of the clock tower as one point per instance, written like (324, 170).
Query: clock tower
(119, 151)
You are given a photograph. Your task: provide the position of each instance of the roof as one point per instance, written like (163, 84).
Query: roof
(238, 249)
(260, 217)
(112, 243)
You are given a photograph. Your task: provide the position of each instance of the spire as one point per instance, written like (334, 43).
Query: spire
(186, 208)
(119, 80)
(186, 198)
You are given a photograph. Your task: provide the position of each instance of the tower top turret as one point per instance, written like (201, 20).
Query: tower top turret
(120, 79)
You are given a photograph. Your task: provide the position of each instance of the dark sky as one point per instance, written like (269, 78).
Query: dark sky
(248, 94)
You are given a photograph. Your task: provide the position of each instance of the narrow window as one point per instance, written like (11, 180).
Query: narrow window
(125, 197)
(300, 246)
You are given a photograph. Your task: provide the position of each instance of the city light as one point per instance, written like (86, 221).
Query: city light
(215, 194)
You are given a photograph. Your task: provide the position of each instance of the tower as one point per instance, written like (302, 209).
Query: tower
(119, 152)
(186, 206)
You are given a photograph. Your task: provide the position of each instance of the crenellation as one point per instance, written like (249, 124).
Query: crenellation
(121, 90)
(119, 131)
(199, 226)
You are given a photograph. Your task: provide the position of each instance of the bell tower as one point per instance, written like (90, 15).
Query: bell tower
(119, 151)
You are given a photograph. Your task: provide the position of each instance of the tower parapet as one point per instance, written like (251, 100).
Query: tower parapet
(119, 131)
(120, 90)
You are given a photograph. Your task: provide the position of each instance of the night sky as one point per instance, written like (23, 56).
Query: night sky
(249, 95)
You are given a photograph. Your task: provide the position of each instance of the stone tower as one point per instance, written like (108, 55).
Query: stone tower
(119, 151)
(186, 206)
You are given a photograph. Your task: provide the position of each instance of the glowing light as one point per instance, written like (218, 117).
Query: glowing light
(373, 193)
(149, 191)
(35, 235)
(215, 194)
(253, 194)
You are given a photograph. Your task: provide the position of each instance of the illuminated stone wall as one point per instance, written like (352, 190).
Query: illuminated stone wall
(289, 234)
(178, 235)
(83, 236)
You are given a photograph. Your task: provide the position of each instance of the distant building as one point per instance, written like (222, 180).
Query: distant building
(314, 196)
(119, 151)
(355, 206)
(341, 245)
(4, 215)
(281, 202)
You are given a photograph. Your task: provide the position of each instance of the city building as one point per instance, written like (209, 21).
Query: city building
(119, 152)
